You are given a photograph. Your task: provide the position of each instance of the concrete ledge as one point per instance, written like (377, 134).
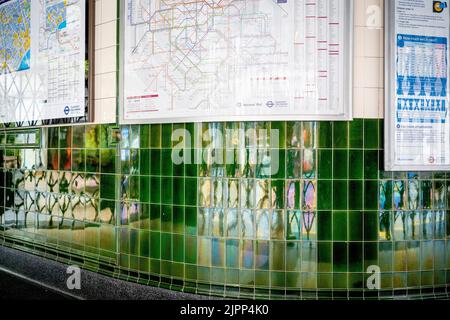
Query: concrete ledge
(53, 275)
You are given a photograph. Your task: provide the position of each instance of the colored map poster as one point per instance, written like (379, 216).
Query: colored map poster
(15, 35)
(42, 59)
(236, 60)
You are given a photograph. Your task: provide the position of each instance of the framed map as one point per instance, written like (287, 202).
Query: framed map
(236, 60)
(42, 60)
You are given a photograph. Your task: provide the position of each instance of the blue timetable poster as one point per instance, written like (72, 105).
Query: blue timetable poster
(420, 119)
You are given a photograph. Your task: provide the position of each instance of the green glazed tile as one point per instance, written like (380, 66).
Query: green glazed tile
(108, 160)
(191, 191)
(53, 138)
(166, 162)
(93, 160)
(65, 137)
(134, 242)
(340, 279)
(167, 190)
(356, 134)
(370, 164)
(155, 265)
(371, 134)
(178, 191)
(370, 226)
(166, 218)
(134, 187)
(325, 166)
(324, 226)
(92, 137)
(381, 134)
(371, 195)
(144, 189)
(324, 257)
(325, 135)
(134, 161)
(79, 160)
(294, 164)
(355, 196)
(324, 189)
(155, 217)
(145, 163)
(370, 254)
(178, 169)
(340, 134)
(340, 164)
(178, 248)
(155, 136)
(191, 250)
(340, 254)
(53, 159)
(191, 169)
(294, 135)
(191, 220)
(65, 160)
(356, 164)
(325, 280)
(124, 243)
(156, 162)
(340, 195)
(178, 219)
(166, 136)
(281, 172)
(355, 257)
(278, 279)
(78, 137)
(155, 187)
(144, 136)
(155, 245)
(340, 226)
(355, 226)
(262, 278)
(281, 127)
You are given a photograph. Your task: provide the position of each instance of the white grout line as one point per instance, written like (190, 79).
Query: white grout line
(41, 284)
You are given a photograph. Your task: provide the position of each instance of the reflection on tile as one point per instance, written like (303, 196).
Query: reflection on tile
(294, 225)
(277, 225)
(262, 225)
(309, 195)
(247, 224)
(247, 254)
(262, 194)
(232, 221)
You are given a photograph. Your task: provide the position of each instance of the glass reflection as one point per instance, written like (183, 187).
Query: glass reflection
(294, 225)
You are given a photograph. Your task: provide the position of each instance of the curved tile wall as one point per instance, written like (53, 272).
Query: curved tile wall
(237, 229)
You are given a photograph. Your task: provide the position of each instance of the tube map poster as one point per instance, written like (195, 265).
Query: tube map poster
(236, 60)
(42, 54)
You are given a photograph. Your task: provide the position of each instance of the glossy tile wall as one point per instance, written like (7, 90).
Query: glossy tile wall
(310, 230)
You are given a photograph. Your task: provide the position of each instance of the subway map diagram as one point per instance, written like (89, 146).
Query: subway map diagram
(15, 36)
(233, 58)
